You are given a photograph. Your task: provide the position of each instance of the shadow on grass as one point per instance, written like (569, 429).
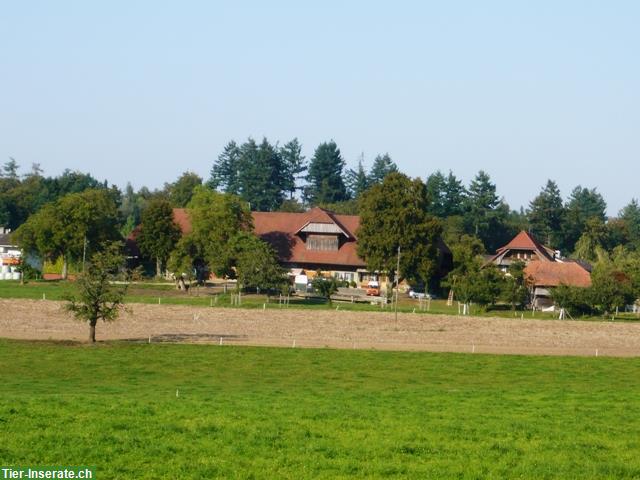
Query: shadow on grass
(183, 338)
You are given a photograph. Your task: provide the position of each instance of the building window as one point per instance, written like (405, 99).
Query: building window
(322, 242)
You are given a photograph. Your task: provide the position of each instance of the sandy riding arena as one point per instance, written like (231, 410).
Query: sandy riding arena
(44, 320)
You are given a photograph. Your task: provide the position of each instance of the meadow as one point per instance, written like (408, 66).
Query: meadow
(153, 293)
(202, 411)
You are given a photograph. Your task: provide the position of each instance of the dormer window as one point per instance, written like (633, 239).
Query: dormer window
(322, 242)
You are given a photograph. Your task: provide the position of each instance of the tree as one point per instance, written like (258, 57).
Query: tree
(382, 166)
(611, 288)
(97, 297)
(481, 203)
(133, 204)
(74, 224)
(291, 205)
(394, 214)
(436, 191)
(357, 180)
(262, 176)
(325, 286)
(467, 279)
(454, 196)
(486, 216)
(184, 262)
(181, 191)
(158, 232)
(71, 182)
(10, 169)
(594, 238)
(294, 165)
(473, 282)
(630, 215)
(546, 214)
(348, 207)
(224, 173)
(575, 300)
(215, 219)
(324, 176)
(584, 204)
(515, 291)
(628, 261)
(256, 263)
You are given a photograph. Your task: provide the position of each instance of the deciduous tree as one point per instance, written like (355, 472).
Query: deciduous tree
(215, 219)
(75, 224)
(181, 191)
(394, 214)
(256, 263)
(158, 232)
(97, 297)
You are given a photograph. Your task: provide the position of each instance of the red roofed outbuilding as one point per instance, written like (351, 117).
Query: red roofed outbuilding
(545, 268)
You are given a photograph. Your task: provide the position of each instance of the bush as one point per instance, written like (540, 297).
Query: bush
(576, 300)
(28, 272)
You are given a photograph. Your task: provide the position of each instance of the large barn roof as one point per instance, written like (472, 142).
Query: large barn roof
(554, 274)
(281, 229)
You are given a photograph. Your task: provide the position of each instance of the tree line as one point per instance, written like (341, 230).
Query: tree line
(272, 177)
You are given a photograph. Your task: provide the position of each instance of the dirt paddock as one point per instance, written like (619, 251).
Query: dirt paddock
(45, 320)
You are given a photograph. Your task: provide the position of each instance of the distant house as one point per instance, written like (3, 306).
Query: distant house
(10, 256)
(545, 268)
(315, 240)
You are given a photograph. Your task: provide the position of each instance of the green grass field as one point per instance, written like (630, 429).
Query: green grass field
(205, 297)
(291, 413)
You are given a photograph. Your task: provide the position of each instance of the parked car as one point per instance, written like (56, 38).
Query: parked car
(373, 288)
(419, 295)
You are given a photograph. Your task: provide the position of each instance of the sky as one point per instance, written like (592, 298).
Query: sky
(140, 91)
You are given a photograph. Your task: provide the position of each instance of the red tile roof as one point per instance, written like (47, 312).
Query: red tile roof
(526, 241)
(280, 230)
(181, 218)
(553, 274)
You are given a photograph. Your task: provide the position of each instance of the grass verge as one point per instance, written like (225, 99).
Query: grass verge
(189, 411)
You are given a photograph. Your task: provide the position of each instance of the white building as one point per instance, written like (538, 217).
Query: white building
(9, 256)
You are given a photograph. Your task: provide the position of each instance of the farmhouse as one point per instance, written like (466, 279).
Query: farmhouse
(315, 240)
(545, 268)
(9, 256)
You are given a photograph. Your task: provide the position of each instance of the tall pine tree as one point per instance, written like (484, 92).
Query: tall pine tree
(357, 180)
(481, 203)
(324, 177)
(382, 166)
(436, 183)
(454, 196)
(630, 215)
(261, 175)
(294, 165)
(584, 204)
(224, 173)
(546, 215)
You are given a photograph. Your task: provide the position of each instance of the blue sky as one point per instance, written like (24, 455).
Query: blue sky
(141, 91)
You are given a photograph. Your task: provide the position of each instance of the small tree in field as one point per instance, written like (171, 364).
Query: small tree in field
(96, 297)
(257, 264)
(325, 286)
